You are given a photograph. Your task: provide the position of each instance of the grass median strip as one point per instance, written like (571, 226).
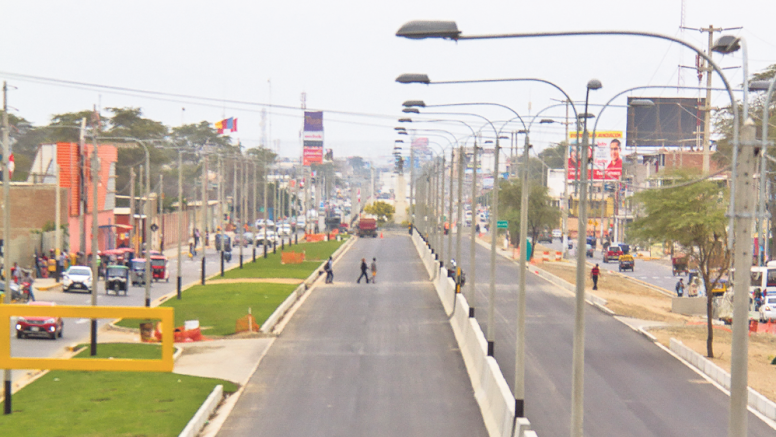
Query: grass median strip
(109, 403)
(218, 306)
(270, 267)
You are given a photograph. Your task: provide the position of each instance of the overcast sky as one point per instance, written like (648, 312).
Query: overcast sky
(345, 56)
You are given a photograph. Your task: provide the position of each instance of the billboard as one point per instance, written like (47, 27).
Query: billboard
(605, 154)
(312, 138)
(671, 122)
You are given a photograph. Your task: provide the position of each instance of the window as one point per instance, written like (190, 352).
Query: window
(771, 278)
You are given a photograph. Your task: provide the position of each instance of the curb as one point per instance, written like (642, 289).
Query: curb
(199, 420)
(49, 287)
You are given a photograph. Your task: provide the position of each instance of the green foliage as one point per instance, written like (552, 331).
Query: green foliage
(165, 401)
(382, 210)
(693, 215)
(554, 156)
(542, 215)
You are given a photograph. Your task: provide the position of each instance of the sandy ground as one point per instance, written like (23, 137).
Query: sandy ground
(630, 299)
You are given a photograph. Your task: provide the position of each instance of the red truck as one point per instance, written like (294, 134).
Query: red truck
(367, 226)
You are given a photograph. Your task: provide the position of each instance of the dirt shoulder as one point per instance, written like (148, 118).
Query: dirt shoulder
(630, 299)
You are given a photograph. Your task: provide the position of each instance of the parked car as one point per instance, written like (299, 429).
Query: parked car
(613, 252)
(51, 327)
(544, 237)
(260, 223)
(556, 233)
(284, 230)
(77, 278)
(768, 309)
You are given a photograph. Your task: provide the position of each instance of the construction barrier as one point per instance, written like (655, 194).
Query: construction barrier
(545, 255)
(291, 258)
(247, 324)
(314, 238)
(558, 256)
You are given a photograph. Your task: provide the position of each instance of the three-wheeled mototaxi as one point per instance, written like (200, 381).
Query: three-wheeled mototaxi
(116, 279)
(159, 270)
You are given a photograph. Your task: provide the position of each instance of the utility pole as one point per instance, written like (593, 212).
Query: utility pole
(132, 208)
(564, 206)
(161, 212)
(82, 186)
(203, 232)
(707, 69)
(264, 161)
(180, 220)
(95, 228)
(6, 232)
(473, 245)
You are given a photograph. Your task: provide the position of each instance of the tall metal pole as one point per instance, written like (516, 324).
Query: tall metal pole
(265, 201)
(132, 225)
(744, 212)
(578, 355)
(473, 245)
(82, 188)
(203, 232)
(241, 231)
(95, 228)
(450, 209)
(493, 238)
(180, 221)
(520, 335)
(6, 232)
(564, 206)
(147, 209)
(412, 187)
(441, 221)
(459, 229)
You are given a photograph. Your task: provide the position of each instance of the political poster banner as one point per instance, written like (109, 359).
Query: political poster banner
(605, 154)
(312, 138)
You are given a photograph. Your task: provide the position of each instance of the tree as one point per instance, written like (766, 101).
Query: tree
(383, 211)
(693, 215)
(541, 214)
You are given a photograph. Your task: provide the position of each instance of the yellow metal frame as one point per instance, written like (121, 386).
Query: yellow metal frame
(165, 364)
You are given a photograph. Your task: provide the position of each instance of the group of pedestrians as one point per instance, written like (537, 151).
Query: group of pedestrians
(365, 269)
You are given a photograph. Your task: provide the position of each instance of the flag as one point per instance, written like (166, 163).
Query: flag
(229, 124)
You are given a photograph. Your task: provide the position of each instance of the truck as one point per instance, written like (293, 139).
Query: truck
(367, 226)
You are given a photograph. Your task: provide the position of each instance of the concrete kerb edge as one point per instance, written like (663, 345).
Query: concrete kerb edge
(197, 422)
(756, 401)
(490, 389)
(272, 321)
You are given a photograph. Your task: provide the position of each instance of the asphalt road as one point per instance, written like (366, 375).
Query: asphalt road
(632, 387)
(363, 360)
(78, 330)
(654, 272)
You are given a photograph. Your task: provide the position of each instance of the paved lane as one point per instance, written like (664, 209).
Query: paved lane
(363, 360)
(632, 387)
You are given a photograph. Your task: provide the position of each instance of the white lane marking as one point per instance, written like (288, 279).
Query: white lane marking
(80, 321)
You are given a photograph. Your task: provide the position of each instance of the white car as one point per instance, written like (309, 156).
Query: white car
(272, 238)
(768, 309)
(284, 230)
(556, 233)
(260, 223)
(77, 278)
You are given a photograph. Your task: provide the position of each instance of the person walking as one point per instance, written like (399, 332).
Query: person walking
(329, 269)
(594, 274)
(364, 269)
(680, 287)
(27, 279)
(374, 270)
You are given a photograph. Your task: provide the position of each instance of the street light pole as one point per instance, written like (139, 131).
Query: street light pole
(7, 232)
(180, 222)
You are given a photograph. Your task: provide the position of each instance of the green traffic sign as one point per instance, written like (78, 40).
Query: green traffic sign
(502, 224)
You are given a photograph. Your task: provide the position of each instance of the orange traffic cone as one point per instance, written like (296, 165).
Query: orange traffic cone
(381, 234)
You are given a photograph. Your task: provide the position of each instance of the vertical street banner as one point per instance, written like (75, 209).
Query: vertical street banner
(605, 154)
(312, 140)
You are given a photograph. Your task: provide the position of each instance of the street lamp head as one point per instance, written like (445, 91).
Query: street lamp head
(410, 111)
(546, 121)
(594, 84)
(429, 29)
(398, 141)
(522, 131)
(405, 120)
(413, 78)
(503, 137)
(759, 85)
(586, 115)
(411, 103)
(403, 132)
(643, 103)
(726, 44)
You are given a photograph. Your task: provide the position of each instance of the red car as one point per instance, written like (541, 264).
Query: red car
(50, 327)
(613, 252)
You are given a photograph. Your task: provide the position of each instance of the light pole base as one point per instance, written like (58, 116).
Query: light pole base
(471, 312)
(519, 408)
(180, 282)
(491, 346)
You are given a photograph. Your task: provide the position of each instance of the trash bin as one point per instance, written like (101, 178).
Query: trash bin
(147, 331)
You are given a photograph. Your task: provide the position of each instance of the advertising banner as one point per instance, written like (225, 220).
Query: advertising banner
(312, 138)
(605, 155)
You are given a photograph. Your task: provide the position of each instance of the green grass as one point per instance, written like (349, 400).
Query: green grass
(95, 404)
(218, 306)
(315, 254)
